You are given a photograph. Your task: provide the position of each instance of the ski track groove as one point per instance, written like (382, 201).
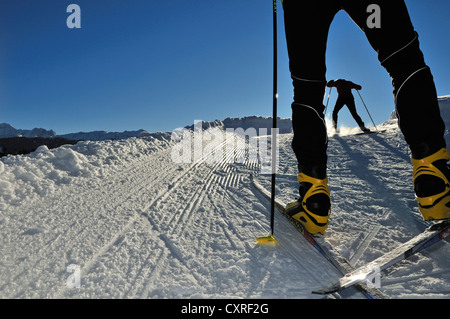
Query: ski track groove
(212, 177)
(364, 243)
(112, 203)
(54, 242)
(168, 242)
(142, 184)
(144, 272)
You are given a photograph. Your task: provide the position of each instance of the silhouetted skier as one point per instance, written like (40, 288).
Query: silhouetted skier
(345, 97)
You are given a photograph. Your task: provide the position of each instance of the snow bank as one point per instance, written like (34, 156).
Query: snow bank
(38, 174)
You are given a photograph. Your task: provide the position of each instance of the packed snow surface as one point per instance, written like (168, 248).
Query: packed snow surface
(142, 217)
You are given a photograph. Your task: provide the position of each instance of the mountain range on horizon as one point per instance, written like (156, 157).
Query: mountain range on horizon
(284, 125)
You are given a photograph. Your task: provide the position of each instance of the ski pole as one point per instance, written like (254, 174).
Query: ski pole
(270, 239)
(328, 100)
(367, 111)
(274, 126)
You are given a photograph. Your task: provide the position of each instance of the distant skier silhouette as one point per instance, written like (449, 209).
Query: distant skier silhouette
(345, 97)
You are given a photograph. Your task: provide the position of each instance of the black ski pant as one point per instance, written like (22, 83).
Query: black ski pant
(350, 102)
(397, 45)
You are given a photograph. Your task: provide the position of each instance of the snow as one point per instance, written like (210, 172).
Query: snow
(121, 219)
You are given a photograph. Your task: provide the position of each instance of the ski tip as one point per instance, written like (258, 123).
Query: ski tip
(331, 288)
(326, 291)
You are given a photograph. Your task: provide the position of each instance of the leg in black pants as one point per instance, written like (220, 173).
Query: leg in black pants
(416, 102)
(350, 102)
(306, 26)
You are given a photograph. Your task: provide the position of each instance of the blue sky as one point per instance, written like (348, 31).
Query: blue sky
(159, 65)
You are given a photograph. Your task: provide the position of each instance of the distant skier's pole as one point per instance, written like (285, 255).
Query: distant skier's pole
(270, 239)
(328, 100)
(367, 111)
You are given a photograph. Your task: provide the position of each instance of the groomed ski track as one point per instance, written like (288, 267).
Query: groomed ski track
(139, 225)
(151, 228)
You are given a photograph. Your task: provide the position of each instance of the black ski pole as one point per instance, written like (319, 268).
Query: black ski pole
(328, 100)
(270, 239)
(274, 126)
(367, 111)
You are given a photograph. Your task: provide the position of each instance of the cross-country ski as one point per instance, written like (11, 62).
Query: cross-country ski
(367, 273)
(323, 247)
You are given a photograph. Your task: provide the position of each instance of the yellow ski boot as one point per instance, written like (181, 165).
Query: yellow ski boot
(431, 185)
(312, 210)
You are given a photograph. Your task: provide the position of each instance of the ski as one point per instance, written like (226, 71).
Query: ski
(363, 133)
(370, 271)
(368, 132)
(321, 245)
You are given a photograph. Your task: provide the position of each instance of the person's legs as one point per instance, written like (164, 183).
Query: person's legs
(415, 98)
(306, 25)
(352, 108)
(339, 104)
